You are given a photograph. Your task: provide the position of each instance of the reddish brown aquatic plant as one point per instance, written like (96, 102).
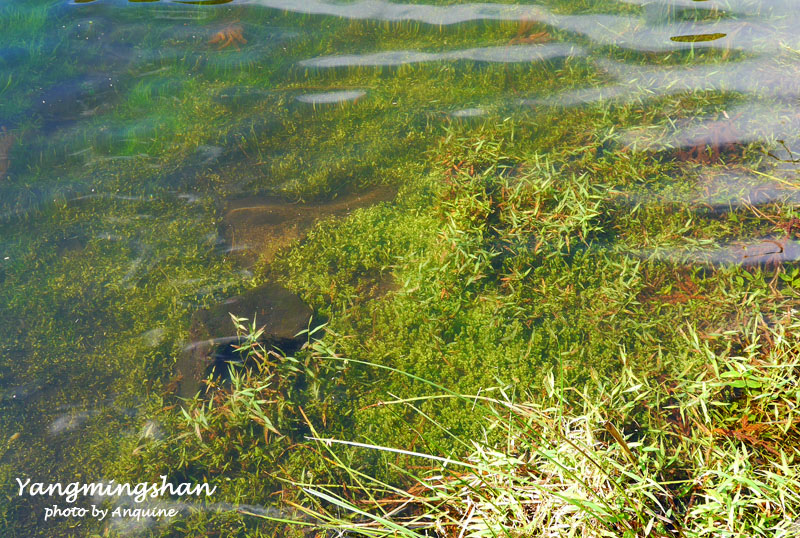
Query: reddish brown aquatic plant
(525, 36)
(230, 35)
(716, 138)
(6, 142)
(790, 226)
(751, 434)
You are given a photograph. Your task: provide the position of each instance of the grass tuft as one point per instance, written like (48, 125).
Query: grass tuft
(713, 452)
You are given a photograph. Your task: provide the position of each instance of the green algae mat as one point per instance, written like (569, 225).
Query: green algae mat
(367, 268)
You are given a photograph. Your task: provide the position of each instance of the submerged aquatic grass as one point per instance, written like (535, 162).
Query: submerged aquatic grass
(710, 451)
(504, 269)
(563, 197)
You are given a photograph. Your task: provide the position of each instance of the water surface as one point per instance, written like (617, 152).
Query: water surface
(161, 157)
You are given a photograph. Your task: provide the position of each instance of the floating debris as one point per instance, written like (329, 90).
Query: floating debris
(697, 38)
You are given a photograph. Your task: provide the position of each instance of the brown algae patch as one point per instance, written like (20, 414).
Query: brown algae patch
(257, 227)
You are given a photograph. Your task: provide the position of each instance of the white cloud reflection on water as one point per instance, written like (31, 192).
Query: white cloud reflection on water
(630, 32)
(332, 97)
(759, 8)
(743, 124)
(504, 54)
(752, 252)
(765, 77)
(732, 187)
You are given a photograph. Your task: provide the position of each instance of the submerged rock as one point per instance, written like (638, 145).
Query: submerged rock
(21, 393)
(259, 226)
(280, 312)
(74, 99)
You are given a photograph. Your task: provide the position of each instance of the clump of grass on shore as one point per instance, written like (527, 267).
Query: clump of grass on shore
(712, 451)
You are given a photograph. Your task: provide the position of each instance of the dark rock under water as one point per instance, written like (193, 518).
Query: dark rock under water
(71, 100)
(280, 312)
(20, 393)
(257, 227)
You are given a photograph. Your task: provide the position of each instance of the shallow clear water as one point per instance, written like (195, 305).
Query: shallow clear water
(156, 158)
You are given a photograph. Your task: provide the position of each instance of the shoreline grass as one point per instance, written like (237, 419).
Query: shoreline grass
(712, 451)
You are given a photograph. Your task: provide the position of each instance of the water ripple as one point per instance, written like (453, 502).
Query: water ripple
(507, 54)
